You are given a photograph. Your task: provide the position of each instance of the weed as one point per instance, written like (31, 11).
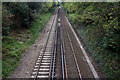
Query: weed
(12, 48)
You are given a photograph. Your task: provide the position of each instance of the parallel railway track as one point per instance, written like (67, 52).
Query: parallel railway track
(66, 56)
(78, 66)
(59, 58)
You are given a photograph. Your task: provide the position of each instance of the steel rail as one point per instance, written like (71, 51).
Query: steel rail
(62, 61)
(62, 52)
(55, 48)
(46, 44)
(76, 62)
(94, 72)
(52, 55)
(64, 67)
(44, 47)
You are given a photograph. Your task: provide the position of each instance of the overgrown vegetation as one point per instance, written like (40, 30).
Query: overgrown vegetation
(97, 25)
(21, 24)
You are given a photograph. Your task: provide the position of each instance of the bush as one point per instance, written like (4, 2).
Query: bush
(21, 14)
(97, 24)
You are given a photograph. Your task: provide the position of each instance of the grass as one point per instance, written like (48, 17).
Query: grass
(11, 50)
(38, 25)
(14, 45)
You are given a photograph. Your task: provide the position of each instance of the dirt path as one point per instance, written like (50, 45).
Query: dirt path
(29, 57)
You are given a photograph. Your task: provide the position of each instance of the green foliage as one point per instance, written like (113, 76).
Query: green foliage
(21, 14)
(35, 5)
(18, 8)
(5, 26)
(38, 24)
(11, 50)
(14, 45)
(97, 24)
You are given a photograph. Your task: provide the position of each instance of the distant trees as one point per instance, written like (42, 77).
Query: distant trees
(20, 14)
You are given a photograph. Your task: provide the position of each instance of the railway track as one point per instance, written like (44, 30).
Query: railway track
(62, 57)
(72, 69)
(45, 66)
(78, 64)
(60, 68)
